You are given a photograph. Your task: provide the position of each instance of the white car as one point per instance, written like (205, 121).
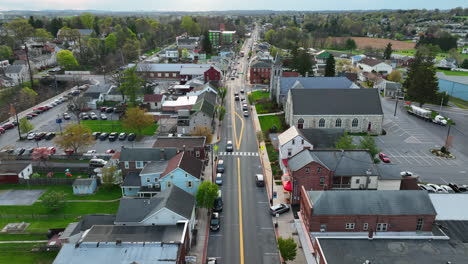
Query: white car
(436, 187)
(211, 261)
(406, 173)
(31, 136)
(91, 152)
(447, 188)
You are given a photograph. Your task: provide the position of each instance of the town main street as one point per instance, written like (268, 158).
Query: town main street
(247, 234)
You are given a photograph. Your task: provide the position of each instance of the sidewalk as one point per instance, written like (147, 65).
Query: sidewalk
(286, 224)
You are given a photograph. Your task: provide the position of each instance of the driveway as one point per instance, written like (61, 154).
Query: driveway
(20, 197)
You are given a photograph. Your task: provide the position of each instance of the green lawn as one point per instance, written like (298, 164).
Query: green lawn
(23, 237)
(41, 225)
(257, 95)
(454, 73)
(263, 108)
(102, 193)
(266, 122)
(71, 208)
(274, 162)
(459, 102)
(21, 253)
(115, 126)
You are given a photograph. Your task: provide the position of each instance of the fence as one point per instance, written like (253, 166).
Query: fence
(47, 181)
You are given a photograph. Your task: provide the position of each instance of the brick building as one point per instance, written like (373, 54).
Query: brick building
(367, 211)
(260, 72)
(178, 72)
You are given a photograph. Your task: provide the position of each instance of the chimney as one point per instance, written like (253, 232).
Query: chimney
(162, 154)
(118, 242)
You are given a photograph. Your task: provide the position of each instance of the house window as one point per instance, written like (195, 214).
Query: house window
(319, 169)
(382, 227)
(155, 179)
(159, 74)
(152, 74)
(338, 123)
(307, 169)
(148, 179)
(365, 226)
(289, 152)
(419, 225)
(322, 122)
(186, 175)
(300, 123)
(169, 184)
(190, 184)
(293, 141)
(166, 74)
(349, 226)
(126, 165)
(139, 165)
(322, 180)
(174, 74)
(323, 227)
(302, 141)
(197, 154)
(358, 180)
(355, 122)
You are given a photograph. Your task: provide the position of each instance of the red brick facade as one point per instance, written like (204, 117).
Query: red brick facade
(310, 177)
(260, 75)
(334, 223)
(212, 75)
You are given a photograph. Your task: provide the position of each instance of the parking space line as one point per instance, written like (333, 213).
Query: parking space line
(422, 158)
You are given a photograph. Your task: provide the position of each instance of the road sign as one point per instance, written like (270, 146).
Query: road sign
(215, 147)
(262, 147)
(58, 120)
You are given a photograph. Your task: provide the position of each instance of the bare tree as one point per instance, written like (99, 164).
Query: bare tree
(76, 105)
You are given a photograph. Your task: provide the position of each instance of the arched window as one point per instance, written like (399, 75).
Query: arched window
(338, 123)
(355, 122)
(300, 123)
(322, 123)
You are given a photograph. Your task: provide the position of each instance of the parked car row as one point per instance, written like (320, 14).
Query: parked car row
(40, 135)
(26, 151)
(92, 116)
(41, 109)
(442, 188)
(114, 136)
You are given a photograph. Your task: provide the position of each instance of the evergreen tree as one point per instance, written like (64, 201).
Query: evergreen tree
(330, 67)
(421, 82)
(464, 64)
(206, 43)
(388, 51)
(302, 62)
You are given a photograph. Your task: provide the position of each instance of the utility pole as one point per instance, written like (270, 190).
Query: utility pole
(396, 103)
(447, 139)
(13, 111)
(29, 65)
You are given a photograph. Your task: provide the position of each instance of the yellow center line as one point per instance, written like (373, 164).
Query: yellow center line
(241, 229)
(238, 143)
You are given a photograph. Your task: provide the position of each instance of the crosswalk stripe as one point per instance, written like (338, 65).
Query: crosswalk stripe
(238, 154)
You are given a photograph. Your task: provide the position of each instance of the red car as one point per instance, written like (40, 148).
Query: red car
(8, 126)
(33, 114)
(110, 151)
(384, 157)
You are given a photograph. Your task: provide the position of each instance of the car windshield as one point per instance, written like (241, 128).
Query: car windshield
(215, 221)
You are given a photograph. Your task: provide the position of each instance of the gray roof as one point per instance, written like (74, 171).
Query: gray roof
(14, 68)
(131, 180)
(12, 167)
(156, 166)
(365, 202)
(175, 199)
(314, 83)
(170, 67)
(455, 229)
(111, 233)
(346, 163)
(322, 138)
(146, 154)
(91, 220)
(391, 251)
(92, 95)
(261, 64)
(189, 142)
(389, 171)
(83, 182)
(336, 102)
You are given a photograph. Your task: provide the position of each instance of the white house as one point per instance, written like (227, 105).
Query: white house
(17, 73)
(172, 54)
(370, 65)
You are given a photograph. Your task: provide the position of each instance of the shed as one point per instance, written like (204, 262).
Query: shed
(84, 186)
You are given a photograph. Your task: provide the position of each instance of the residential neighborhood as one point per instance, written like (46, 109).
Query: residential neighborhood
(239, 136)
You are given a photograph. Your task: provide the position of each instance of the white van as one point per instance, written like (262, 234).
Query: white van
(96, 163)
(259, 180)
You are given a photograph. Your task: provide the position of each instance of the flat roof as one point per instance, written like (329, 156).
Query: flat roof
(391, 251)
(448, 205)
(112, 233)
(181, 100)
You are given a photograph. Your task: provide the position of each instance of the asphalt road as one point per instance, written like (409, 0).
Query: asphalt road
(246, 234)
(409, 140)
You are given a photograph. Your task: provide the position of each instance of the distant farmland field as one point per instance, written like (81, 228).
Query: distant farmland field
(379, 43)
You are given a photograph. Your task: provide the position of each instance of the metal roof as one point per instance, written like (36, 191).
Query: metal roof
(450, 206)
(286, 83)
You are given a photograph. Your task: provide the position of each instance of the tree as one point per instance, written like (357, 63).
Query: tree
(464, 64)
(109, 176)
(368, 143)
(206, 43)
(185, 53)
(190, 26)
(41, 155)
(302, 63)
(87, 19)
(206, 195)
(21, 29)
(287, 248)
(53, 200)
(394, 76)
(75, 136)
(202, 131)
(25, 126)
(136, 119)
(221, 113)
(76, 105)
(421, 83)
(66, 59)
(27, 96)
(330, 67)
(131, 49)
(350, 45)
(388, 52)
(131, 85)
(110, 42)
(222, 91)
(454, 54)
(42, 35)
(345, 142)
(5, 52)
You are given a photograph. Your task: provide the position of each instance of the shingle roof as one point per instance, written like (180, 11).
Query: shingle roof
(146, 154)
(286, 83)
(186, 162)
(204, 106)
(131, 180)
(365, 202)
(91, 220)
(83, 182)
(389, 171)
(153, 98)
(370, 62)
(189, 142)
(175, 199)
(344, 163)
(261, 64)
(336, 102)
(155, 166)
(12, 167)
(14, 69)
(322, 138)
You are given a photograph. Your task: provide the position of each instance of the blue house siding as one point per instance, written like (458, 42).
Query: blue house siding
(181, 179)
(459, 90)
(85, 189)
(150, 178)
(130, 191)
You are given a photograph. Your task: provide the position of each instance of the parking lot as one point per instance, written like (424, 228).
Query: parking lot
(408, 143)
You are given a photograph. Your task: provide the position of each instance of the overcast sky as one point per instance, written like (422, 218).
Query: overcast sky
(209, 5)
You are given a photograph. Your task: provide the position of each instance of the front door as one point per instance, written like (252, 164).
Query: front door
(369, 126)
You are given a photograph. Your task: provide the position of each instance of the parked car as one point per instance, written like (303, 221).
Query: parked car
(279, 209)
(215, 222)
(406, 173)
(20, 151)
(436, 188)
(211, 261)
(237, 98)
(91, 152)
(122, 136)
(229, 146)
(242, 91)
(384, 157)
(93, 116)
(246, 113)
(96, 135)
(52, 150)
(103, 136)
(39, 136)
(29, 150)
(245, 107)
(103, 117)
(425, 188)
(220, 166)
(113, 136)
(219, 179)
(131, 137)
(31, 136)
(110, 151)
(447, 188)
(84, 116)
(50, 135)
(109, 110)
(66, 116)
(456, 188)
(8, 126)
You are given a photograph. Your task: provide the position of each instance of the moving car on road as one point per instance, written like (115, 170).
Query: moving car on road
(229, 146)
(220, 167)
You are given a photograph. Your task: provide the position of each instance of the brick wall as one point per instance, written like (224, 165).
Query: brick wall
(309, 178)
